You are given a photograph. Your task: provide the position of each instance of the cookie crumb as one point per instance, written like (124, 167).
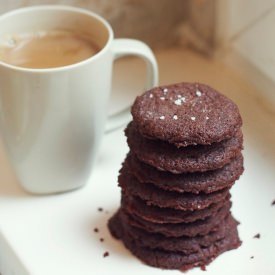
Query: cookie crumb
(193, 118)
(203, 267)
(101, 240)
(175, 117)
(162, 98)
(207, 118)
(198, 93)
(257, 236)
(106, 254)
(151, 96)
(252, 257)
(96, 230)
(165, 90)
(99, 209)
(162, 117)
(273, 203)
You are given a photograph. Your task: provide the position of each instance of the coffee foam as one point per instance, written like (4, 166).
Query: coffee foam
(46, 49)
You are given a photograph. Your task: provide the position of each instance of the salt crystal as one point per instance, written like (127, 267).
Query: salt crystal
(198, 93)
(175, 117)
(178, 102)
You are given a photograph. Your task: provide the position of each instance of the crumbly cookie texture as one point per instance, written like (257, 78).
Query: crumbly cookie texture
(172, 257)
(186, 114)
(207, 182)
(167, 157)
(185, 154)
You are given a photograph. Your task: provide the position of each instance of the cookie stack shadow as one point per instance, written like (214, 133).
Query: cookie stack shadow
(175, 200)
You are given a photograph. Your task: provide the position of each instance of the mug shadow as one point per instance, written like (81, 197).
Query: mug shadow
(12, 189)
(9, 185)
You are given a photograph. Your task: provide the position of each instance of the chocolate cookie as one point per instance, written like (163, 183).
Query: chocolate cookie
(167, 199)
(207, 182)
(167, 157)
(186, 114)
(200, 227)
(180, 244)
(175, 260)
(155, 214)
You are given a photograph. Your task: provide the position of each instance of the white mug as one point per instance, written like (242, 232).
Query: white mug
(52, 119)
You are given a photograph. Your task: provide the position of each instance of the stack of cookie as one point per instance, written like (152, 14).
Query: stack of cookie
(185, 154)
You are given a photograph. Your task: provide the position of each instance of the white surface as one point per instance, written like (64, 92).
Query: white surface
(54, 234)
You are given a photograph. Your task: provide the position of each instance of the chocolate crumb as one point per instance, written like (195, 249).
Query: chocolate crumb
(257, 236)
(100, 209)
(203, 267)
(101, 240)
(96, 230)
(252, 257)
(106, 254)
(273, 203)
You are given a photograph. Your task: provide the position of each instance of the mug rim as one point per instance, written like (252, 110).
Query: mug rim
(61, 8)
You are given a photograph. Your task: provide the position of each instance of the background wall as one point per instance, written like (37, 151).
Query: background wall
(243, 28)
(154, 21)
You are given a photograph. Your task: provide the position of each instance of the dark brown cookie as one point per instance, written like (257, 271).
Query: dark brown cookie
(186, 114)
(167, 199)
(167, 157)
(175, 260)
(200, 227)
(154, 214)
(206, 182)
(181, 244)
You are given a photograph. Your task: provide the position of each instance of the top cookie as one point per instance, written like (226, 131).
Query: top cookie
(186, 114)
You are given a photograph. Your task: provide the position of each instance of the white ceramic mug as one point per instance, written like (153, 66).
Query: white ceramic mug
(52, 120)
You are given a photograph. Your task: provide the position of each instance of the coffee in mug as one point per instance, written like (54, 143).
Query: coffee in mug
(46, 49)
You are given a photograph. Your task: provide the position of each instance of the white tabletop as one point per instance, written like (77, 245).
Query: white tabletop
(42, 235)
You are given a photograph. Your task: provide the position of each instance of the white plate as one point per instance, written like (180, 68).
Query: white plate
(54, 234)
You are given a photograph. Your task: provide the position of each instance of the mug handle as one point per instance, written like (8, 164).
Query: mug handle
(123, 47)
